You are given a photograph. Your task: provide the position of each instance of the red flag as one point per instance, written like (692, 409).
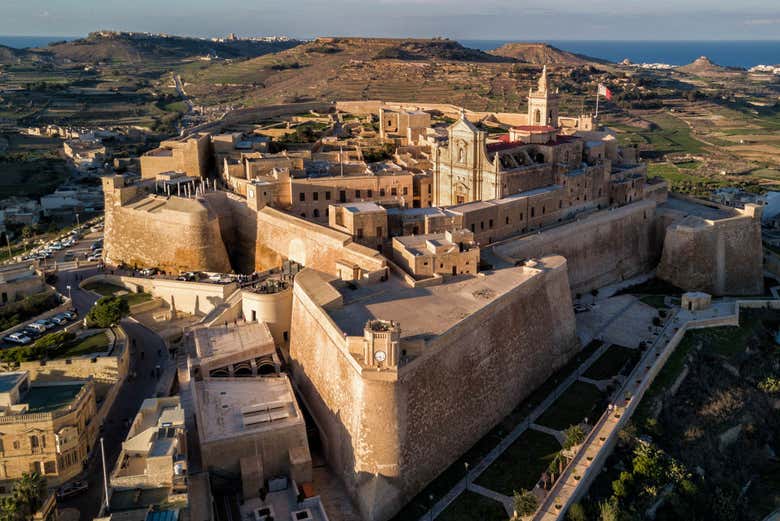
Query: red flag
(604, 91)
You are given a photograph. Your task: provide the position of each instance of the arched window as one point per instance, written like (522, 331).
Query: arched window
(461, 155)
(316, 213)
(538, 117)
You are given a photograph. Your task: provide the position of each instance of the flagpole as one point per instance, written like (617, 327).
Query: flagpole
(597, 103)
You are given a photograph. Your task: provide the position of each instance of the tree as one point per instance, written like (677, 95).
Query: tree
(576, 513)
(108, 311)
(574, 436)
(609, 510)
(9, 510)
(29, 492)
(525, 503)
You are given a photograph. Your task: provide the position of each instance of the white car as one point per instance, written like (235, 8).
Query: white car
(18, 338)
(95, 257)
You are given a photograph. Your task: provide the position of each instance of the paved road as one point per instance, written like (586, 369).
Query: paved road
(144, 346)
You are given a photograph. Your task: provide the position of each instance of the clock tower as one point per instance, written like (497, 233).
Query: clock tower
(382, 344)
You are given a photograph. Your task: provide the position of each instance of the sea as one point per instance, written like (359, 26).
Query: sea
(742, 53)
(25, 42)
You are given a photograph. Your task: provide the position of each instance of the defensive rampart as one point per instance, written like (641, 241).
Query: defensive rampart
(603, 248)
(720, 257)
(382, 430)
(173, 234)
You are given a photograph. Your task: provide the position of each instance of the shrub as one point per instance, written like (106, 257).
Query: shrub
(770, 384)
(525, 503)
(108, 311)
(576, 513)
(574, 436)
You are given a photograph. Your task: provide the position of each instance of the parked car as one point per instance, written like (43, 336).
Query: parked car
(70, 314)
(17, 338)
(95, 257)
(74, 488)
(31, 332)
(95, 245)
(59, 319)
(69, 256)
(38, 327)
(189, 276)
(148, 272)
(48, 324)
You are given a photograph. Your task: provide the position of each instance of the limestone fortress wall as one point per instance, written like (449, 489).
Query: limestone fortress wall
(173, 234)
(603, 248)
(383, 430)
(720, 257)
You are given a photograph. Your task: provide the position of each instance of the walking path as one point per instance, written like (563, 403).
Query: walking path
(466, 483)
(589, 459)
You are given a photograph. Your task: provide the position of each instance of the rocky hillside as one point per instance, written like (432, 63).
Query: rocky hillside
(439, 49)
(542, 54)
(9, 55)
(434, 70)
(139, 48)
(703, 66)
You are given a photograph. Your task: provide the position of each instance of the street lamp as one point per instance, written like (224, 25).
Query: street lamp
(68, 288)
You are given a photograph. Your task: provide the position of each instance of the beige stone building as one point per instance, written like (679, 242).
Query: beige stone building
(154, 453)
(18, 281)
(188, 155)
(365, 222)
(48, 428)
(242, 350)
(448, 253)
(252, 429)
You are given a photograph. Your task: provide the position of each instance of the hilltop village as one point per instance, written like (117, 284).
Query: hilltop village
(417, 267)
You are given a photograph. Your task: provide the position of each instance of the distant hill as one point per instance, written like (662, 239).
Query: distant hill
(353, 68)
(9, 55)
(137, 48)
(703, 66)
(542, 54)
(436, 49)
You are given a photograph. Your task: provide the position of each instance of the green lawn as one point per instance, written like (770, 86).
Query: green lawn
(580, 401)
(610, 363)
(106, 289)
(96, 343)
(449, 477)
(472, 507)
(522, 464)
(657, 301)
(103, 288)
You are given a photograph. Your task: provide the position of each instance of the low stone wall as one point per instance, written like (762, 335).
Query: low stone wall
(194, 298)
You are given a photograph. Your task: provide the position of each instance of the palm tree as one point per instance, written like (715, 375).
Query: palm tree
(29, 492)
(9, 510)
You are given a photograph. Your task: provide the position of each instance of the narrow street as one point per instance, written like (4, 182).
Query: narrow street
(144, 346)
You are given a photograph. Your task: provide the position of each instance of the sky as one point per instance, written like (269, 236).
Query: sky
(460, 19)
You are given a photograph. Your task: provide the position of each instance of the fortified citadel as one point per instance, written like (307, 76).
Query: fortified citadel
(437, 282)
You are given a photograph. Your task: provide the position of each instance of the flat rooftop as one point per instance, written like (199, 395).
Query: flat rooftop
(219, 342)
(50, 397)
(427, 312)
(698, 210)
(9, 380)
(233, 407)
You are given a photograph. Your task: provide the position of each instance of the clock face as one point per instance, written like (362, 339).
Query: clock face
(380, 356)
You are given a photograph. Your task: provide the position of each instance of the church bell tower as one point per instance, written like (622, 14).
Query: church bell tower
(543, 104)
